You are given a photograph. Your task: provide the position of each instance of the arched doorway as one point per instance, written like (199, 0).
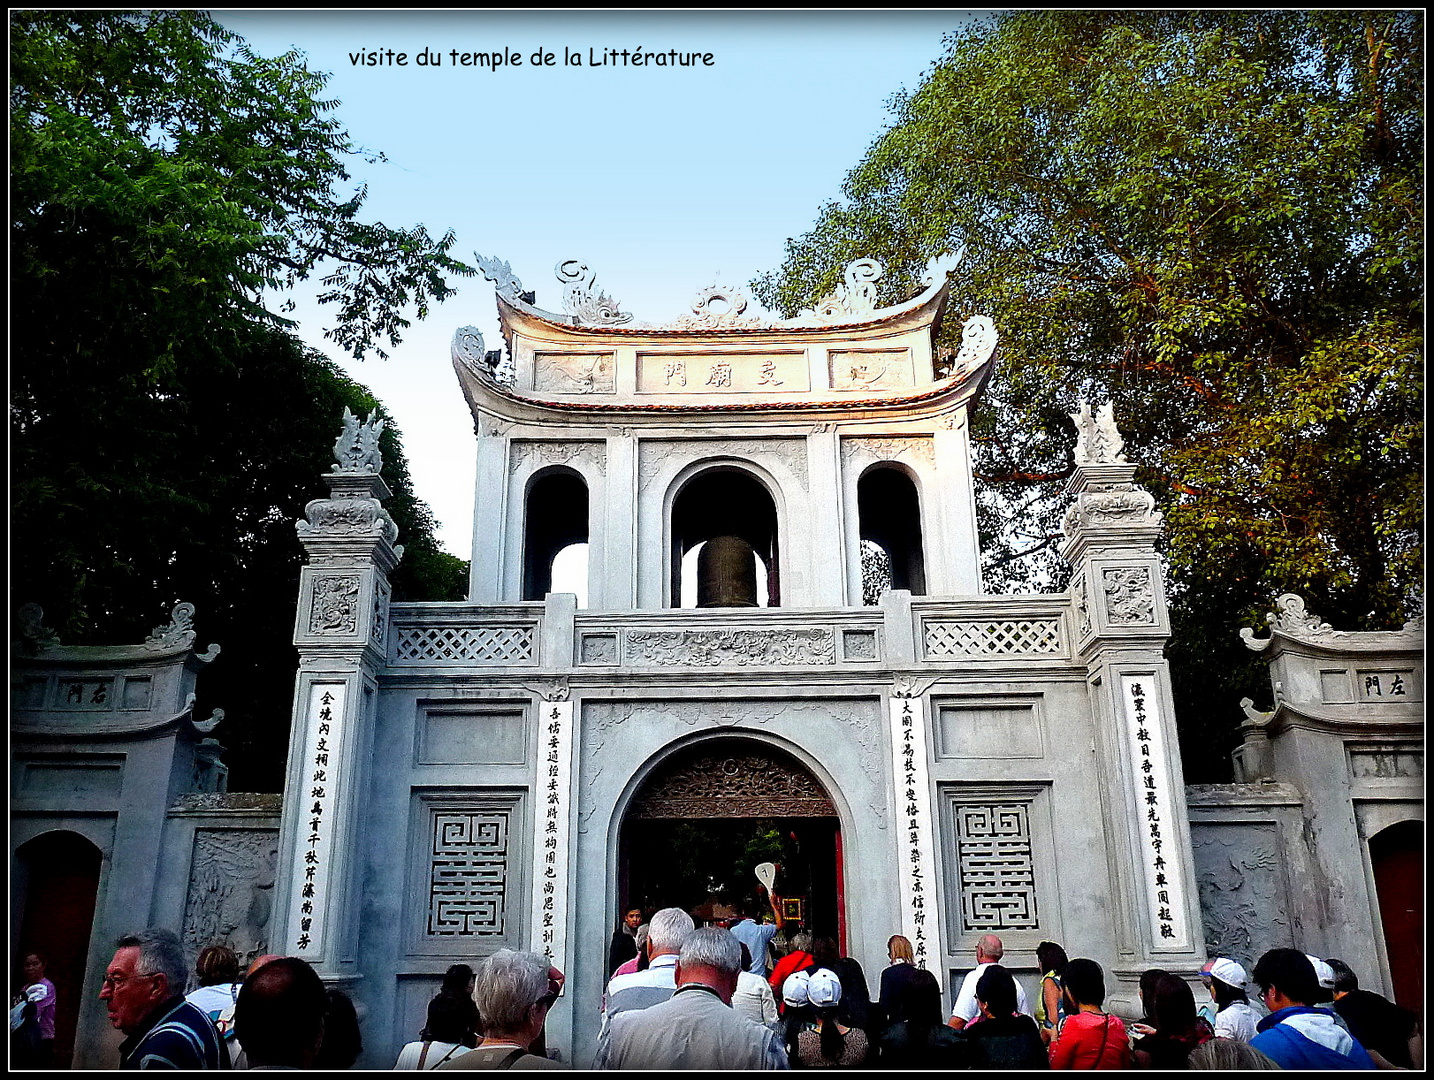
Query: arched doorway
(725, 501)
(62, 877)
(1396, 855)
(710, 813)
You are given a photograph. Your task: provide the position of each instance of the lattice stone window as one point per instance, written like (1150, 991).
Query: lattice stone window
(996, 869)
(461, 644)
(990, 637)
(468, 872)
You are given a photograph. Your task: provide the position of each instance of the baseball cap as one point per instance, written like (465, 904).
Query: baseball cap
(1323, 971)
(823, 988)
(794, 990)
(1227, 971)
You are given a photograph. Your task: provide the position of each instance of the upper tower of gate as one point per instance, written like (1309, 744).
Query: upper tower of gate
(834, 444)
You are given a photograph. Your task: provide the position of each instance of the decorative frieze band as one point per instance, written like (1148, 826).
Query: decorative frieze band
(742, 648)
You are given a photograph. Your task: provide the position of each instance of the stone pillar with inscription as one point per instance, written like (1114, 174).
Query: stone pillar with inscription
(1121, 628)
(341, 633)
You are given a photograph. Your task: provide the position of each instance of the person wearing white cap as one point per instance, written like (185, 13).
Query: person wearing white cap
(1235, 1017)
(1324, 996)
(826, 1042)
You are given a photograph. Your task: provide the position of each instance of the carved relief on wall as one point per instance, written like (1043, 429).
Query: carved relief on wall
(908, 449)
(743, 648)
(997, 873)
(1129, 596)
(231, 890)
(742, 784)
(335, 605)
(541, 454)
(870, 369)
(468, 873)
(656, 453)
(1242, 896)
(573, 373)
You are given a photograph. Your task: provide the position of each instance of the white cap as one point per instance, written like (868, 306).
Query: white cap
(794, 990)
(823, 988)
(1323, 972)
(1227, 971)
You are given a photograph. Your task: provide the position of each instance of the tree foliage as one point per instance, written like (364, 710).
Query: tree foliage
(1214, 219)
(166, 429)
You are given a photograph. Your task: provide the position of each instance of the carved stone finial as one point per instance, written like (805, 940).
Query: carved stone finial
(177, 633)
(938, 266)
(469, 350)
(357, 447)
(1098, 441)
(32, 629)
(500, 274)
(978, 342)
(584, 300)
(1252, 714)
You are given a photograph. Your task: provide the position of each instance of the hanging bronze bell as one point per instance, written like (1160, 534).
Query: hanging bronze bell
(726, 573)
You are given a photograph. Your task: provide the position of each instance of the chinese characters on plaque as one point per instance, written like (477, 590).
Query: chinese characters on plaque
(916, 864)
(311, 857)
(550, 891)
(1154, 813)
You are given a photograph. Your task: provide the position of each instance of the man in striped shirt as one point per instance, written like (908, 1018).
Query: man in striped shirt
(144, 988)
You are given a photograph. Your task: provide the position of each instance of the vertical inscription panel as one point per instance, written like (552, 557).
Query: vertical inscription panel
(468, 873)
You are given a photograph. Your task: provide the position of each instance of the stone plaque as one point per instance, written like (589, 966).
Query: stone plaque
(870, 369)
(723, 373)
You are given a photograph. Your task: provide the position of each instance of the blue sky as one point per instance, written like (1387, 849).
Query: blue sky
(661, 179)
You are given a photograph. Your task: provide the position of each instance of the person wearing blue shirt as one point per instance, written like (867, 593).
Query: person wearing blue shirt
(755, 935)
(1296, 1035)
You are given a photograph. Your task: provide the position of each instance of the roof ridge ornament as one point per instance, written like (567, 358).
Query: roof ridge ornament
(705, 315)
(583, 300)
(1291, 619)
(500, 274)
(978, 342)
(856, 297)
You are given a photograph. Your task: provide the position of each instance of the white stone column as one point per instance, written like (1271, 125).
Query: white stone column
(1121, 629)
(826, 527)
(341, 630)
(490, 511)
(616, 588)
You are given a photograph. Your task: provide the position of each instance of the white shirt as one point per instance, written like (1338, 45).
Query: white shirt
(438, 1052)
(966, 1007)
(1237, 1021)
(753, 999)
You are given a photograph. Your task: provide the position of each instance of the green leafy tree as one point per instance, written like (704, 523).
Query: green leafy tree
(166, 428)
(1214, 219)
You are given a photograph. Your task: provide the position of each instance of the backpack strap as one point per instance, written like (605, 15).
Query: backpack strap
(508, 1062)
(423, 1056)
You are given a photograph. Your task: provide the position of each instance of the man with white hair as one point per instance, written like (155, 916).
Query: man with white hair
(696, 1028)
(666, 932)
(989, 950)
(514, 991)
(144, 989)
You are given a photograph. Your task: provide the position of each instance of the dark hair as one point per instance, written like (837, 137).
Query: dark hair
(217, 964)
(1051, 958)
(795, 1020)
(824, 952)
(456, 979)
(1149, 979)
(343, 1042)
(280, 1013)
(1345, 979)
(1291, 971)
(746, 956)
(1225, 994)
(1085, 981)
(450, 1018)
(997, 989)
(833, 1042)
(1173, 1008)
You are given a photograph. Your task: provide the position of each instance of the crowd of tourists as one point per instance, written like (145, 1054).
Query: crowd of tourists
(748, 994)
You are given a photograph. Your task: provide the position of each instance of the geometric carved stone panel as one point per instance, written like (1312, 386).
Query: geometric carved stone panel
(1041, 637)
(462, 644)
(995, 865)
(468, 872)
